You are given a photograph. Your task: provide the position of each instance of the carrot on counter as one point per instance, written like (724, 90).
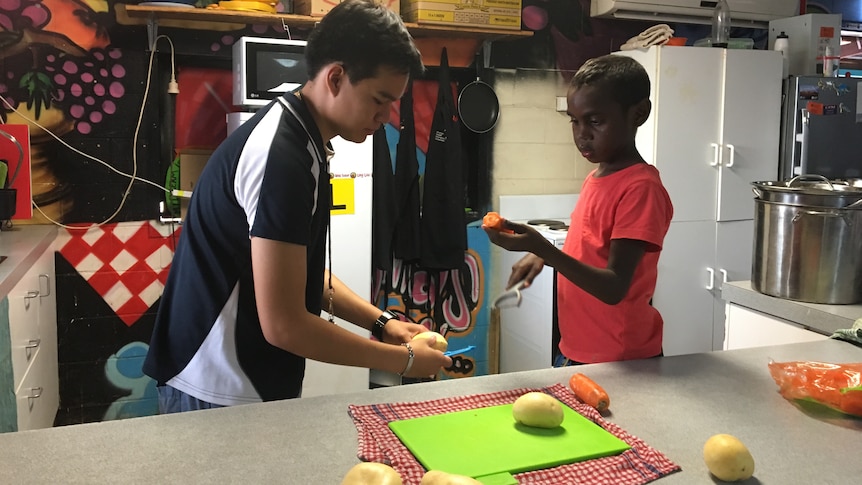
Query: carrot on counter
(495, 221)
(589, 392)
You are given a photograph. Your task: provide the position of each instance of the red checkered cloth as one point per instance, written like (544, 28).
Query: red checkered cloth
(638, 465)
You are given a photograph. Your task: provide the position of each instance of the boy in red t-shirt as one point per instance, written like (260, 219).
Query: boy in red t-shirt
(608, 265)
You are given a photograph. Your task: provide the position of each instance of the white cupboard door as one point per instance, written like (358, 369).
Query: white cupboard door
(687, 108)
(47, 288)
(733, 248)
(24, 335)
(38, 396)
(750, 130)
(686, 284)
(748, 328)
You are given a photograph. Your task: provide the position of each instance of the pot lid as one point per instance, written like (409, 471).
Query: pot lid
(814, 185)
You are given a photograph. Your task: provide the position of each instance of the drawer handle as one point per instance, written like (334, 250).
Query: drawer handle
(35, 392)
(31, 294)
(33, 343)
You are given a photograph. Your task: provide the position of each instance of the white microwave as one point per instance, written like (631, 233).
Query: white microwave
(265, 68)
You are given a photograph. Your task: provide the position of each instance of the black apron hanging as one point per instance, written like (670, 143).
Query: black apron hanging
(406, 245)
(443, 226)
(383, 204)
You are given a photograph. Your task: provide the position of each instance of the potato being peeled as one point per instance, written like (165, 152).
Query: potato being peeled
(441, 343)
(371, 473)
(538, 409)
(437, 477)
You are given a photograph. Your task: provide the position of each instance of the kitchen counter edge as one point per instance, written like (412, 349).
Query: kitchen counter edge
(22, 246)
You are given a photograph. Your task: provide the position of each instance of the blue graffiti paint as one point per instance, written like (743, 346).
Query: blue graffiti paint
(124, 370)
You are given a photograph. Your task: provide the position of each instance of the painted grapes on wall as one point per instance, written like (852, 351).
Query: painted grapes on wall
(59, 75)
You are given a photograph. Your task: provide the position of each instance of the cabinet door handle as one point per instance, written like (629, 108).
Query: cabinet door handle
(715, 154)
(710, 278)
(33, 343)
(723, 276)
(47, 284)
(732, 150)
(35, 392)
(31, 294)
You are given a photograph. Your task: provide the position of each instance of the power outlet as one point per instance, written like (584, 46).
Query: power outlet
(562, 104)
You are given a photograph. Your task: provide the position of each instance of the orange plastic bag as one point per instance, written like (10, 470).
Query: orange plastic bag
(838, 386)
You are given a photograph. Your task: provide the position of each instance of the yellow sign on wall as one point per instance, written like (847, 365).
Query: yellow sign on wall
(343, 196)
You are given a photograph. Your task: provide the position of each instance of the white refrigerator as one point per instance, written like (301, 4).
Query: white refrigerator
(350, 169)
(714, 129)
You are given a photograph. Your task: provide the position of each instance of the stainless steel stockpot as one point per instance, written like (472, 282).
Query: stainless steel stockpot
(807, 240)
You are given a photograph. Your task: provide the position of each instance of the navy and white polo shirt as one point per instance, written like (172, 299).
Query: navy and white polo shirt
(267, 179)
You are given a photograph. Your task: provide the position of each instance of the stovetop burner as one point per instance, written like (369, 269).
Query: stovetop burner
(548, 224)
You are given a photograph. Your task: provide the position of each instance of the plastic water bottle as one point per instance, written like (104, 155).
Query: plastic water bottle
(830, 64)
(721, 24)
(782, 43)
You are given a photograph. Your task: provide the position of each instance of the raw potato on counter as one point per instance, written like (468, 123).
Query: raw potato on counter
(437, 477)
(538, 410)
(728, 458)
(371, 473)
(441, 344)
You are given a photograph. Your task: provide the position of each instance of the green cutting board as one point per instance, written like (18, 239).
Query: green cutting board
(487, 441)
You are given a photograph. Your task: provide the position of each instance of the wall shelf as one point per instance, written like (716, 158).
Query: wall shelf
(219, 20)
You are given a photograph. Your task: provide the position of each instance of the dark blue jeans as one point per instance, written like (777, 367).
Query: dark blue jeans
(561, 360)
(175, 401)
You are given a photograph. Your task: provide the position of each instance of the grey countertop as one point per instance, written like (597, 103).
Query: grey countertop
(825, 319)
(22, 246)
(672, 403)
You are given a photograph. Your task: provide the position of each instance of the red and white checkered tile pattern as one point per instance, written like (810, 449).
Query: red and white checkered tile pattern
(126, 263)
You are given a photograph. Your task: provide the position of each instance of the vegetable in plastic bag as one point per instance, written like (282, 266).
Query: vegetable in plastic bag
(838, 386)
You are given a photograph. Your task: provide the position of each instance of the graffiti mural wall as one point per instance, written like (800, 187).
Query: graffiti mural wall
(109, 280)
(103, 136)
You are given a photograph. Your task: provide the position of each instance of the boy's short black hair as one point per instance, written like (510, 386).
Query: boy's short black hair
(362, 36)
(623, 78)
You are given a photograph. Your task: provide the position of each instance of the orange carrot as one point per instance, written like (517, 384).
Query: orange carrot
(589, 392)
(494, 221)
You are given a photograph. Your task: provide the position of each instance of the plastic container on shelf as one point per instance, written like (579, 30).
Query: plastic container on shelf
(720, 24)
(733, 43)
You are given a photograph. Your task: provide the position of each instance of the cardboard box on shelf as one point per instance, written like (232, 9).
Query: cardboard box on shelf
(319, 8)
(497, 14)
(192, 162)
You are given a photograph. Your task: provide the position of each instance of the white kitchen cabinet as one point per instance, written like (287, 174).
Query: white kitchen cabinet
(714, 129)
(750, 328)
(33, 342)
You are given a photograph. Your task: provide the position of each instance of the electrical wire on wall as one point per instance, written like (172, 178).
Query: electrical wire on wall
(173, 88)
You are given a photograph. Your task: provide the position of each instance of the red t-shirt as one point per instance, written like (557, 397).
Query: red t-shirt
(629, 204)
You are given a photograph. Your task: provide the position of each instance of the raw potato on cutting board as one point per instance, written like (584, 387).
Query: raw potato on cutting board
(538, 409)
(371, 473)
(437, 477)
